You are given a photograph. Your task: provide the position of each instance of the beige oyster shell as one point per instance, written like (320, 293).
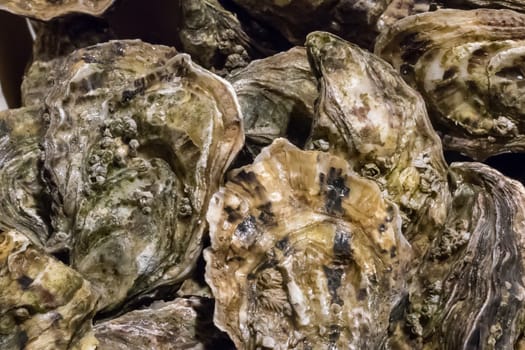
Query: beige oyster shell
(138, 141)
(49, 9)
(184, 323)
(469, 67)
(368, 115)
(305, 253)
(277, 96)
(22, 195)
(44, 305)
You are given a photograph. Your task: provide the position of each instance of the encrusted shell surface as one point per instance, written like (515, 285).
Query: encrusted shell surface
(469, 66)
(22, 198)
(46, 9)
(44, 304)
(368, 115)
(305, 253)
(277, 96)
(473, 274)
(214, 36)
(355, 20)
(137, 143)
(184, 323)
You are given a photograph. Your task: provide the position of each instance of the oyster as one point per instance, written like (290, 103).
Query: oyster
(469, 66)
(49, 9)
(137, 143)
(368, 115)
(355, 20)
(55, 40)
(184, 323)
(274, 107)
(473, 274)
(44, 305)
(22, 195)
(304, 253)
(213, 36)
(398, 9)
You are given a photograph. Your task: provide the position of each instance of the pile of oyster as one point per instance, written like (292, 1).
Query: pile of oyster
(274, 181)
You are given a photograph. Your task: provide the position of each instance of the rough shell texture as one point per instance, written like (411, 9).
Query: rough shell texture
(185, 323)
(44, 305)
(368, 115)
(516, 5)
(213, 36)
(22, 196)
(473, 274)
(398, 9)
(55, 40)
(469, 66)
(277, 96)
(137, 143)
(46, 9)
(355, 20)
(305, 253)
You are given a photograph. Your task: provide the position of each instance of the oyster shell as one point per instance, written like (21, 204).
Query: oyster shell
(468, 65)
(274, 107)
(49, 9)
(136, 145)
(516, 5)
(368, 115)
(355, 20)
(184, 323)
(473, 274)
(304, 253)
(55, 40)
(44, 305)
(213, 36)
(22, 193)
(398, 9)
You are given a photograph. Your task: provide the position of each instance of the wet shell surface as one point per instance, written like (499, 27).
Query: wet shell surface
(469, 67)
(305, 253)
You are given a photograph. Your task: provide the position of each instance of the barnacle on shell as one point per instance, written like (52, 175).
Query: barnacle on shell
(469, 67)
(473, 274)
(184, 323)
(304, 253)
(138, 141)
(22, 195)
(44, 304)
(49, 9)
(368, 115)
(274, 107)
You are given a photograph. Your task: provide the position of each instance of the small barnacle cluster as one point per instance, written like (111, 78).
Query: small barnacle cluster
(267, 183)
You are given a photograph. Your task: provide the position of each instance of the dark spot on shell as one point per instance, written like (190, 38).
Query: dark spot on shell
(362, 294)
(88, 58)
(22, 339)
(283, 244)
(335, 191)
(25, 282)
(233, 215)
(449, 73)
(266, 215)
(413, 48)
(334, 276)
(249, 177)
(247, 231)
(335, 333)
(342, 248)
(393, 252)
(381, 228)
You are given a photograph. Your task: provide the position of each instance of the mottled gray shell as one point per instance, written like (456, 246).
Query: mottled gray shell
(44, 304)
(277, 96)
(469, 66)
(137, 143)
(184, 323)
(368, 115)
(22, 193)
(304, 253)
(473, 273)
